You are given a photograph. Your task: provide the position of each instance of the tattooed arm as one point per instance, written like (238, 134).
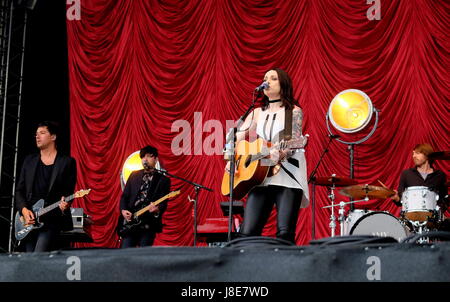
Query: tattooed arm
(297, 123)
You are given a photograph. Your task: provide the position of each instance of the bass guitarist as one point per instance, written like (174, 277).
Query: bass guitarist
(46, 175)
(278, 119)
(142, 187)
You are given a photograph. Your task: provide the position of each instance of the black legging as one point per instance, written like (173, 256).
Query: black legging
(260, 203)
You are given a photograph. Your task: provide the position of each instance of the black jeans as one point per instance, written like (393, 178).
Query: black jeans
(42, 240)
(141, 236)
(260, 203)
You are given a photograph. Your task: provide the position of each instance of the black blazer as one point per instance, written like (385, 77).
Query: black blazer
(62, 183)
(159, 187)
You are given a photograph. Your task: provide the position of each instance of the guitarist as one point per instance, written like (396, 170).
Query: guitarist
(278, 119)
(142, 187)
(46, 175)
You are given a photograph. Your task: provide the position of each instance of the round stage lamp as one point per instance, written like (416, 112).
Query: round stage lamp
(350, 111)
(132, 163)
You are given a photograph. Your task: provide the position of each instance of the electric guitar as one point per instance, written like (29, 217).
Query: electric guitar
(125, 227)
(22, 229)
(253, 164)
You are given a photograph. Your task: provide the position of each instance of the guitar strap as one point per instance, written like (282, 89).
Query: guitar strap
(287, 135)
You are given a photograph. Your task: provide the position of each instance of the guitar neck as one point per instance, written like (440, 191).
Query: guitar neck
(54, 205)
(288, 145)
(145, 209)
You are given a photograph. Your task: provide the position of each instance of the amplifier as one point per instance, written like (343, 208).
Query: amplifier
(78, 218)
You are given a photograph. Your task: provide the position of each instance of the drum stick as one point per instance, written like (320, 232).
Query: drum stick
(383, 185)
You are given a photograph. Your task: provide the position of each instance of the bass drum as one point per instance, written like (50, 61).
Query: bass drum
(352, 218)
(381, 224)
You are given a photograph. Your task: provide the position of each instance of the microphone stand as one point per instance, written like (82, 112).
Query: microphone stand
(197, 188)
(229, 151)
(312, 178)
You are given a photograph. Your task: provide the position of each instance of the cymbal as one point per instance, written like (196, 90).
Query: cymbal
(440, 155)
(338, 181)
(361, 191)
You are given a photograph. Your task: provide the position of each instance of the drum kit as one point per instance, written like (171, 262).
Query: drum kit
(420, 212)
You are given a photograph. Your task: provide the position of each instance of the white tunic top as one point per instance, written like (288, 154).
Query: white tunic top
(268, 128)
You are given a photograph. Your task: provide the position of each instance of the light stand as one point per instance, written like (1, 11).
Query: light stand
(351, 144)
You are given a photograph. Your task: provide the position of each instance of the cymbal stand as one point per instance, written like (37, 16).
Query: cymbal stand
(341, 212)
(341, 216)
(332, 218)
(312, 179)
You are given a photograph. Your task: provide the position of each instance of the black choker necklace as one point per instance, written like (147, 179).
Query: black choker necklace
(274, 101)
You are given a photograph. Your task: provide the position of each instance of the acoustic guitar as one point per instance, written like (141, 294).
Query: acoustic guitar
(253, 164)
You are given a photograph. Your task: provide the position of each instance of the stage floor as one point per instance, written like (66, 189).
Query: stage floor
(314, 263)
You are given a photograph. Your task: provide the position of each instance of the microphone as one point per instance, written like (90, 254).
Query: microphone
(263, 86)
(334, 136)
(147, 166)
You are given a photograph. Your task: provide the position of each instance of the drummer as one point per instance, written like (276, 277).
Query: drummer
(423, 174)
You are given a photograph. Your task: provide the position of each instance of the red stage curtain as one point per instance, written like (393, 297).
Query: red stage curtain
(136, 67)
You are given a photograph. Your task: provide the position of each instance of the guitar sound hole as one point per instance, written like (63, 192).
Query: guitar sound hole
(248, 161)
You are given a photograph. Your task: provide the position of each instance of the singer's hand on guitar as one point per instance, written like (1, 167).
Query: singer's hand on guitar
(277, 155)
(29, 216)
(127, 215)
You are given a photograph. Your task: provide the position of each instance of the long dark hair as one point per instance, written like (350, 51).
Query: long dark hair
(286, 91)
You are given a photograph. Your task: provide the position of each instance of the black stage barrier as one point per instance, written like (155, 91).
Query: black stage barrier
(255, 259)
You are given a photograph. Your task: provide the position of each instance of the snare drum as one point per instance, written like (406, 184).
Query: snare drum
(419, 203)
(381, 224)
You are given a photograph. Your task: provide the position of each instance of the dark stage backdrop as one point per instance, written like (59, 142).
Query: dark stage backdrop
(136, 67)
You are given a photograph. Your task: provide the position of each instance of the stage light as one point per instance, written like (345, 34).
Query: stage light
(350, 111)
(133, 163)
